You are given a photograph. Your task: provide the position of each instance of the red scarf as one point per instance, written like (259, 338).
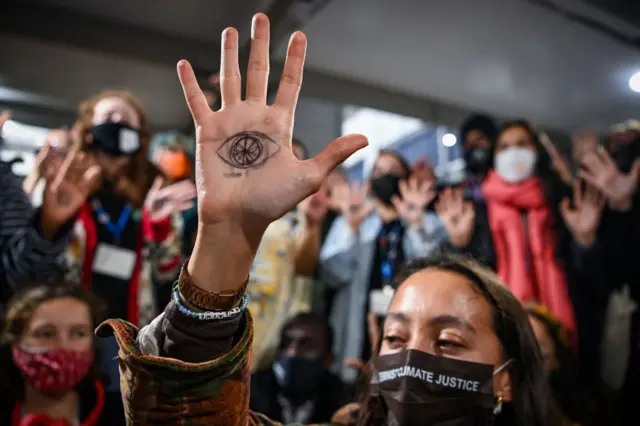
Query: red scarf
(526, 256)
(44, 420)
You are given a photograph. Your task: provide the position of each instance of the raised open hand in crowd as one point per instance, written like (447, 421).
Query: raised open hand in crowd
(352, 202)
(582, 143)
(583, 217)
(601, 171)
(457, 215)
(415, 196)
(161, 202)
(314, 208)
(69, 181)
(558, 161)
(247, 175)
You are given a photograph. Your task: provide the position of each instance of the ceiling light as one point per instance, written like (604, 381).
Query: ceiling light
(634, 82)
(449, 140)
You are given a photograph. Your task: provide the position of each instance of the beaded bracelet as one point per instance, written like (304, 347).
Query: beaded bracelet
(210, 315)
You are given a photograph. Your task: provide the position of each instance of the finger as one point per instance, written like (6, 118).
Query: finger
(469, 208)
(64, 169)
(374, 330)
(89, 179)
(334, 154)
(196, 100)
(291, 79)
(635, 170)
(180, 207)
(565, 209)
(355, 363)
(229, 68)
(591, 162)
(414, 184)
(397, 203)
(606, 157)
(590, 178)
(577, 194)
(258, 70)
(405, 188)
(157, 184)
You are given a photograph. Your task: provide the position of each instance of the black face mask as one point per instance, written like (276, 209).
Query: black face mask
(422, 389)
(116, 139)
(298, 377)
(478, 160)
(385, 187)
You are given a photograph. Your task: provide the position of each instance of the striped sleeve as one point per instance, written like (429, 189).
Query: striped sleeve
(24, 254)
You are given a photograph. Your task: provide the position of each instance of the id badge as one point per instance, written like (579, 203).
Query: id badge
(114, 261)
(379, 301)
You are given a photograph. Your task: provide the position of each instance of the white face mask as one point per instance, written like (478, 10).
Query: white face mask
(514, 165)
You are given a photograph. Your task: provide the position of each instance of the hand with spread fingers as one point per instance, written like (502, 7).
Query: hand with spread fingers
(69, 181)
(246, 173)
(353, 204)
(601, 172)
(457, 215)
(161, 202)
(583, 218)
(416, 196)
(314, 208)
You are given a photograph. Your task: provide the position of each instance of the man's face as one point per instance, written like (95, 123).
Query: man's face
(476, 139)
(304, 341)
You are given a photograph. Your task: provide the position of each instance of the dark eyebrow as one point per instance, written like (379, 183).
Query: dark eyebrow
(397, 316)
(444, 320)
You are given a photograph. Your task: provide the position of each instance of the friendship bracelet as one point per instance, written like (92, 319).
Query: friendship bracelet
(210, 315)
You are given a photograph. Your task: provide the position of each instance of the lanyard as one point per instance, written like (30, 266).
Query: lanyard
(105, 219)
(389, 250)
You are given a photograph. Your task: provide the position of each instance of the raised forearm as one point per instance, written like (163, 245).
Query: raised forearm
(308, 250)
(222, 257)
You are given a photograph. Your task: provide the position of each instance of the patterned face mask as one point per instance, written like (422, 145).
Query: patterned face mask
(55, 371)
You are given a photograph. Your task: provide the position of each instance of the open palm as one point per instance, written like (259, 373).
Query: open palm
(416, 196)
(457, 215)
(246, 172)
(583, 218)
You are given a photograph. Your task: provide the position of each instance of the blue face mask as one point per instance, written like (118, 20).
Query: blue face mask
(297, 376)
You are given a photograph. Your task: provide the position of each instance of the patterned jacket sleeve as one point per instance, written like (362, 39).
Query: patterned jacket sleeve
(24, 254)
(180, 369)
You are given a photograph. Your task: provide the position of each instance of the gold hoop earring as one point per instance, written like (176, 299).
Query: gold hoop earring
(498, 408)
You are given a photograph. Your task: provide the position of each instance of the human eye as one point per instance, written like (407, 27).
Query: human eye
(247, 150)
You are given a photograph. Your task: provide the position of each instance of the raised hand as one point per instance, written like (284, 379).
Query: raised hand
(353, 204)
(601, 172)
(584, 217)
(314, 208)
(558, 161)
(69, 181)
(416, 196)
(161, 203)
(246, 173)
(457, 215)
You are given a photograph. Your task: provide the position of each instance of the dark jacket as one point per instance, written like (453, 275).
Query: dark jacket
(265, 391)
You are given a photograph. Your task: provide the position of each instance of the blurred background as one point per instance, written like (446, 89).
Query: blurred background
(403, 72)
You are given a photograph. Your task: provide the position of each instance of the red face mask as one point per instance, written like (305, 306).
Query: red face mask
(55, 371)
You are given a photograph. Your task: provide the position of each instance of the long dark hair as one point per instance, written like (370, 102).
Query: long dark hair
(554, 188)
(532, 404)
(16, 320)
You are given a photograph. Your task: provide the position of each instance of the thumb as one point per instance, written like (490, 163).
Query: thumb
(635, 170)
(337, 152)
(565, 208)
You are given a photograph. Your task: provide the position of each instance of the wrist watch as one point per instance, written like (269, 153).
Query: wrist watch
(206, 300)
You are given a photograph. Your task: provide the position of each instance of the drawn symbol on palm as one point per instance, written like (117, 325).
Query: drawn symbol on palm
(247, 149)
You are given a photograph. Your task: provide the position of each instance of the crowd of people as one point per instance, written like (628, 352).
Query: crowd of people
(257, 285)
